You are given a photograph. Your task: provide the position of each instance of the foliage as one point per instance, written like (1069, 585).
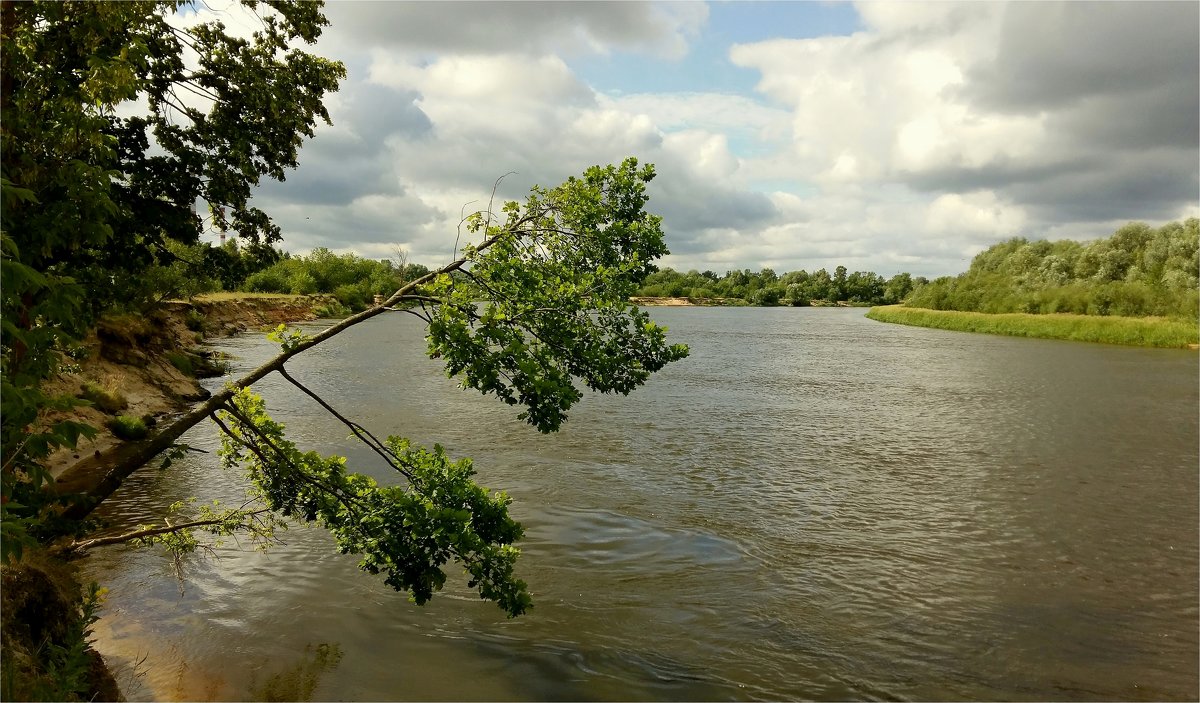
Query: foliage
(108, 138)
(1139, 331)
(350, 278)
(288, 338)
(765, 288)
(114, 186)
(38, 327)
(67, 663)
(195, 320)
(406, 532)
(1138, 271)
(181, 361)
(128, 427)
(47, 624)
(98, 213)
(334, 309)
(556, 275)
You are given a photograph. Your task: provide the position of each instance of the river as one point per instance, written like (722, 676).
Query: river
(813, 505)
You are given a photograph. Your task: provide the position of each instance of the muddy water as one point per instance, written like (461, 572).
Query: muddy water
(812, 506)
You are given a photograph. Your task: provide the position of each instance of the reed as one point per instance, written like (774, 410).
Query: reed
(1135, 331)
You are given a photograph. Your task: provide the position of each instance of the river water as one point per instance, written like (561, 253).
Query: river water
(811, 506)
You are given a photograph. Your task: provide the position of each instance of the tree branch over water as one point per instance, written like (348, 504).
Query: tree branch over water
(555, 277)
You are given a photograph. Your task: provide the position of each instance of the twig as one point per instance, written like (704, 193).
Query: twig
(359, 431)
(138, 534)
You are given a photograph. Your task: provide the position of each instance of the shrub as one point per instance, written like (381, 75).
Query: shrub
(209, 365)
(355, 297)
(271, 280)
(128, 427)
(108, 401)
(195, 321)
(334, 309)
(302, 283)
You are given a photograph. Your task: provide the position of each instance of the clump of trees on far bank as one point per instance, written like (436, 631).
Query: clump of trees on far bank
(184, 271)
(350, 278)
(796, 288)
(1139, 271)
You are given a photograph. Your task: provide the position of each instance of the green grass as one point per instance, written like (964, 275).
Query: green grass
(128, 427)
(183, 362)
(1135, 331)
(108, 401)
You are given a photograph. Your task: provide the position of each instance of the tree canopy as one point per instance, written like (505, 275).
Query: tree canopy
(1138, 271)
(115, 121)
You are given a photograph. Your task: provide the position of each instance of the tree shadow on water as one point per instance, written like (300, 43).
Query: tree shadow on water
(298, 681)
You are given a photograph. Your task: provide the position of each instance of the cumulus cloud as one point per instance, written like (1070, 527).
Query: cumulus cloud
(999, 120)
(461, 121)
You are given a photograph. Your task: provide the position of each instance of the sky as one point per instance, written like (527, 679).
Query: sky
(885, 137)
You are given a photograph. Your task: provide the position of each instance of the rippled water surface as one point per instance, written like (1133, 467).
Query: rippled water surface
(811, 506)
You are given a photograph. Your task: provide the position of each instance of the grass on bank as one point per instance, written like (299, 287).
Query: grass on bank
(1134, 331)
(238, 295)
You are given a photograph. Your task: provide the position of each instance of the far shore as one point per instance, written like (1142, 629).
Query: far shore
(649, 301)
(1159, 332)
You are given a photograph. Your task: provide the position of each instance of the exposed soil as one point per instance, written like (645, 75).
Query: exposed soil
(139, 366)
(132, 357)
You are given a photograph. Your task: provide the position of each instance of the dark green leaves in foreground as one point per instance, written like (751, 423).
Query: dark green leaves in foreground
(555, 279)
(408, 532)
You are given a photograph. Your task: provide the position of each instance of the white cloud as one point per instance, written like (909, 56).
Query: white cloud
(486, 28)
(934, 130)
(980, 215)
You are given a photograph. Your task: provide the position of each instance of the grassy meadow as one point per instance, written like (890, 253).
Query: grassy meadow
(1135, 331)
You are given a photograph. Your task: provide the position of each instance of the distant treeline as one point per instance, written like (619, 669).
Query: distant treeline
(794, 288)
(1138, 271)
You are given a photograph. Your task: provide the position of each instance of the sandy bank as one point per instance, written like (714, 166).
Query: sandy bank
(140, 359)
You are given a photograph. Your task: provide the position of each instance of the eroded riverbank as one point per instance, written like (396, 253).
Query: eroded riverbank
(144, 367)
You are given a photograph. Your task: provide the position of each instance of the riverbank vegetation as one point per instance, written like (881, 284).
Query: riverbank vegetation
(765, 288)
(1138, 287)
(1137, 331)
(187, 271)
(1139, 271)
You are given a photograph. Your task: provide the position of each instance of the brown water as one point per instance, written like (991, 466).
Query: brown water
(812, 506)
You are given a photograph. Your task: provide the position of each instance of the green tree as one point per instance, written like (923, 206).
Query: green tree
(897, 289)
(839, 283)
(1137, 271)
(555, 276)
(93, 194)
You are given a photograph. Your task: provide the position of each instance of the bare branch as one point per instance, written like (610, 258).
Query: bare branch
(462, 217)
(359, 431)
(75, 547)
(492, 199)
